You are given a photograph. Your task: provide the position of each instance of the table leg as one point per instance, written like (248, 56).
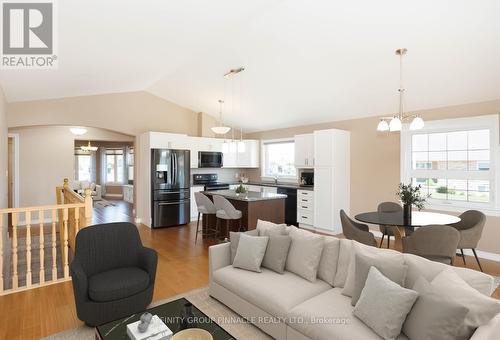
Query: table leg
(399, 233)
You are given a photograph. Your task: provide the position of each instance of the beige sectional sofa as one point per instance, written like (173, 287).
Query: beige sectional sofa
(279, 303)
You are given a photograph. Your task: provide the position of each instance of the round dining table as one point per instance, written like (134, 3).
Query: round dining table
(399, 224)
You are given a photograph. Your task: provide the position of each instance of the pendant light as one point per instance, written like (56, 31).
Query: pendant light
(241, 143)
(220, 129)
(395, 123)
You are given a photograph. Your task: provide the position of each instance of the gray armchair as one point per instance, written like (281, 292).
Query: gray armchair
(353, 230)
(435, 242)
(470, 228)
(113, 274)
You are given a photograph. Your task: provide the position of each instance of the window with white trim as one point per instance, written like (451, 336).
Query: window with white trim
(454, 161)
(278, 159)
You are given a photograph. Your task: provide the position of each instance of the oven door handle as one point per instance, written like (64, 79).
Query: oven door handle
(173, 203)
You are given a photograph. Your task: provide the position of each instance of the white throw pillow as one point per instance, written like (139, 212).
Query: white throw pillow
(263, 226)
(481, 308)
(383, 305)
(390, 261)
(329, 259)
(343, 264)
(250, 252)
(304, 254)
(434, 316)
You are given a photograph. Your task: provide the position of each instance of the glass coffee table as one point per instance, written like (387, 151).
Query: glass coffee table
(170, 314)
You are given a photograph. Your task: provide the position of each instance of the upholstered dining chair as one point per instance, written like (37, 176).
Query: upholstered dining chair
(206, 207)
(387, 207)
(353, 230)
(227, 212)
(435, 242)
(470, 228)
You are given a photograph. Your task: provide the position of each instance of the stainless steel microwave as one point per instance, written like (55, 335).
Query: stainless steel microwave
(208, 159)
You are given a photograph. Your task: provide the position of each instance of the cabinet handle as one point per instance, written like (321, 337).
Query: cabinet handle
(304, 217)
(304, 207)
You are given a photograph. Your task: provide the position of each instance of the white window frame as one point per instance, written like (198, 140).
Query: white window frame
(116, 183)
(487, 122)
(291, 179)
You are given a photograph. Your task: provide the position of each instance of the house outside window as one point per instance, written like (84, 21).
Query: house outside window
(454, 161)
(278, 159)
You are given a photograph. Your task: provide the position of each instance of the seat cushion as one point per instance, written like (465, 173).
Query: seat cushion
(274, 293)
(329, 316)
(117, 284)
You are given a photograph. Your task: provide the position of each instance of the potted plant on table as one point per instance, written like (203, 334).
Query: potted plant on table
(410, 196)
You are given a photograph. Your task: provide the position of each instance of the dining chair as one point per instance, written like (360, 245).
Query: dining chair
(470, 228)
(353, 230)
(434, 242)
(227, 212)
(205, 207)
(387, 207)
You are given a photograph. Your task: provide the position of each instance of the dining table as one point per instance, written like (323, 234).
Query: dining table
(399, 224)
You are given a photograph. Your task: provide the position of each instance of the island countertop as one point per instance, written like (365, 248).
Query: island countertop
(249, 196)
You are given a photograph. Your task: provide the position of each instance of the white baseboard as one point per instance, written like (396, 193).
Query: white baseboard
(481, 254)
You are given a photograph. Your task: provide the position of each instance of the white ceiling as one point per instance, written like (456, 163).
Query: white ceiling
(306, 61)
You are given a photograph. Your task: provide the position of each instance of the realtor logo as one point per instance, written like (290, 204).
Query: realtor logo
(28, 34)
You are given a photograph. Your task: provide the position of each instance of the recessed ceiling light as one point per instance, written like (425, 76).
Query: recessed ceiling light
(78, 131)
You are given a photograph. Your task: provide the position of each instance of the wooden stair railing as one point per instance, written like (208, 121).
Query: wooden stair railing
(71, 213)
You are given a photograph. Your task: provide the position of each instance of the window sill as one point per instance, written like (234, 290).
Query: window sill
(280, 179)
(488, 211)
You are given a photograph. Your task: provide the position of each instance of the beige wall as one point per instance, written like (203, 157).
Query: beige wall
(46, 157)
(130, 113)
(3, 151)
(375, 168)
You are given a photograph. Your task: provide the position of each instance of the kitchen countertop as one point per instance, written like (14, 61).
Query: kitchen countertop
(249, 196)
(280, 185)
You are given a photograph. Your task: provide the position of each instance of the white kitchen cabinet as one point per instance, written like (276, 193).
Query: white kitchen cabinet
(305, 208)
(249, 158)
(128, 193)
(194, 208)
(331, 178)
(304, 151)
(254, 188)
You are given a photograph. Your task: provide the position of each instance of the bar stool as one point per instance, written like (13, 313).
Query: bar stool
(226, 211)
(205, 207)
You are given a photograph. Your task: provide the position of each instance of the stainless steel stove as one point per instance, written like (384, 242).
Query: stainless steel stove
(210, 182)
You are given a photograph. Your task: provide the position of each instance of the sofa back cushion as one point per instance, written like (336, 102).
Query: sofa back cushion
(329, 259)
(264, 226)
(343, 263)
(419, 266)
(304, 254)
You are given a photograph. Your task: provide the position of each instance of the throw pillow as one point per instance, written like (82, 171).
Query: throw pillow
(263, 226)
(304, 254)
(481, 308)
(343, 264)
(277, 251)
(383, 305)
(434, 316)
(391, 259)
(329, 258)
(390, 267)
(250, 252)
(234, 238)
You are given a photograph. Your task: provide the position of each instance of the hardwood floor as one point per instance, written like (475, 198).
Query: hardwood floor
(182, 266)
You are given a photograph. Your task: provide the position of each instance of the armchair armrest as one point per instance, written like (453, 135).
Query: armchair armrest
(80, 282)
(148, 260)
(219, 256)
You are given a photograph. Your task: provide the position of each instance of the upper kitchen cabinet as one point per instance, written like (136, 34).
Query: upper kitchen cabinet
(247, 156)
(304, 151)
(332, 144)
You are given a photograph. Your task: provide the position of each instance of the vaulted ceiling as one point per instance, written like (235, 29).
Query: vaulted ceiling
(306, 61)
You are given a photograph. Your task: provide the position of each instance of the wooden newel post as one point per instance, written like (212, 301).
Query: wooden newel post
(88, 207)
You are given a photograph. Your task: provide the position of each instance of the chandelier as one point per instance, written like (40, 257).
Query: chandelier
(395, 122)
(88, 148)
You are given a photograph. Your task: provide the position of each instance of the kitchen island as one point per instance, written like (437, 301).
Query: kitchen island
(253, 206)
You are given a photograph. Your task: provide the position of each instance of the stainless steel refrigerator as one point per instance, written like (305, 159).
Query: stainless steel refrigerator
(170, 186)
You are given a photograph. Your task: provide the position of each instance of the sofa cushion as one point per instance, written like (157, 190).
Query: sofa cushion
(234, 238)
(336, 311)
(250, 252)
(305, 253)
(263, 226)
(419, 266)
(274, 293)
(117, 284)
(343, 264)
(383, 304)
(329, 259)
